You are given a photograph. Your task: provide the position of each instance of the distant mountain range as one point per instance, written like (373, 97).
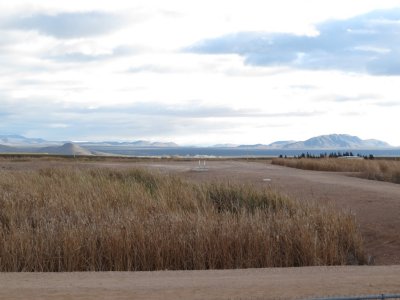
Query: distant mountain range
(21, 144)
(6, 149)
(19, 140)
(337, 141)
(136, 144)
(280, 144)
(331, 141)
(66, 149)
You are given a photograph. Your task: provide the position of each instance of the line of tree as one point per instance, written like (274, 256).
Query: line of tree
(330, 155)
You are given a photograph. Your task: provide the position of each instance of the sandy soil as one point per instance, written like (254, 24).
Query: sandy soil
(289, 283)
(375, 204)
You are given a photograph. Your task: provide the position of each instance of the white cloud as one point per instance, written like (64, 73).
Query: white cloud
(135, 82)
(359, 44)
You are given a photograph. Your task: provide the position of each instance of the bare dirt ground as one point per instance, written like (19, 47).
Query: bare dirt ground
(248, 284)
(375, 204)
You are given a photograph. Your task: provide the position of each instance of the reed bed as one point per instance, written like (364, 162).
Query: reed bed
(74, 219)
(382, 169)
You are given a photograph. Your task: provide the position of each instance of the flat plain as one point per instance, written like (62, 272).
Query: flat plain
(375, 204)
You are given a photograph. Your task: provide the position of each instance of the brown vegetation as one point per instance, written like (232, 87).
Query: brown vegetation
(98, 219)
(383, 170)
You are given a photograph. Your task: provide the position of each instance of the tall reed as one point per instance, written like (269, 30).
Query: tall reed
(380, 169)
(103, 220)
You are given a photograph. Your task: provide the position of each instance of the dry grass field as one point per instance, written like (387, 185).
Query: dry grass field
(71, 219)
(374, 207)
(383, 170)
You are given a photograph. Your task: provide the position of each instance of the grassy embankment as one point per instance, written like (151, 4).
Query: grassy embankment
(86, 220)
(379, 169)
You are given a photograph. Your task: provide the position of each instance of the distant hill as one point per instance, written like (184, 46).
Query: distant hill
(19, 140)
(135, 144)
(330, 141)
(372, 143)
(66, 149)
(7, 149)
(151, 144)
(164, 145)
(21, 144)
(255, 146)
(280, 144)
(225, 146)
(336, 141)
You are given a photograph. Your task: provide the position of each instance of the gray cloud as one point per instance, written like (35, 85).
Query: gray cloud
(47, 83)
(67, 25)
(60, 121)
(192, 110)
(7, 38)
(56, 121)
(79, 57)
(366, 43)
(361, 97)
(13, 63)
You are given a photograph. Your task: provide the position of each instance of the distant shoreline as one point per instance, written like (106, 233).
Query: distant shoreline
(201, 152)
(254, 151)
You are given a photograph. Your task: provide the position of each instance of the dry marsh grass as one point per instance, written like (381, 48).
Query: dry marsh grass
(107, 220)
(383, 170)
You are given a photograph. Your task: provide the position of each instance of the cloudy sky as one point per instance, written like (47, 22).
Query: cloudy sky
(200, 72)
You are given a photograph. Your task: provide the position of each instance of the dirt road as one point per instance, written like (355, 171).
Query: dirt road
(275, 283)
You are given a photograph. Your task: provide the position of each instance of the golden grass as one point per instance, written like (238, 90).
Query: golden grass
(106, 220)
(382, 169)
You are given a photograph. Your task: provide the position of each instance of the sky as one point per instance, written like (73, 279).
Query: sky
(200, 72)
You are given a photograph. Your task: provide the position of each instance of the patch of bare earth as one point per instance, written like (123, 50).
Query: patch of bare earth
(274, 283)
